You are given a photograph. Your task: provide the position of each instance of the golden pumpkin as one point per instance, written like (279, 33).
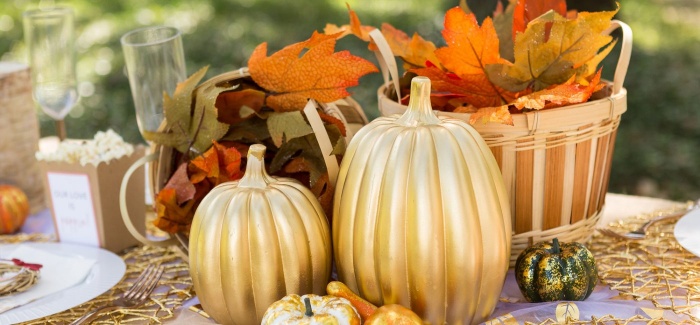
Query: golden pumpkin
(421, 217)
(255, 240)
(311, 309)
(14, 209)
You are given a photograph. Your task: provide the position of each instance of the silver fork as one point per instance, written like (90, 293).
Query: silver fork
(641, 232)
(135, 296)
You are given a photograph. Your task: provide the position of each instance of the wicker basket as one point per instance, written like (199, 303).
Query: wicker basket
(19, 134)
(555, 163)
(346, 109)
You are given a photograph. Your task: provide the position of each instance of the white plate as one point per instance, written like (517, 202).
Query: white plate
(107, 271)
(687, 231)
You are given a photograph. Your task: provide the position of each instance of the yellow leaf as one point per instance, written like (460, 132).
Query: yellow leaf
(551, 49)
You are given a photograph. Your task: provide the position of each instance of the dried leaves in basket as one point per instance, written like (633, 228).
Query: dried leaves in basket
(212, 124)
(533, 54)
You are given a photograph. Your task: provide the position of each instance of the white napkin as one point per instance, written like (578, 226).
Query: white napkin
(58, 273)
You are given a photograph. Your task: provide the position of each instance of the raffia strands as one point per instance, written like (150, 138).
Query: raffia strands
(656, 269)
(175, 287)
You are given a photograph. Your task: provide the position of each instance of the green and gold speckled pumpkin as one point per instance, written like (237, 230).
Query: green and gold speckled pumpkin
(556, 271)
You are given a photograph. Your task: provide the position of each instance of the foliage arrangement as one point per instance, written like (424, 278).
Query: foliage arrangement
(531, 55)
(264, 108)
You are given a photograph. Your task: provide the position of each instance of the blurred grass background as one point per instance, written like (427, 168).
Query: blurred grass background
(657, 146)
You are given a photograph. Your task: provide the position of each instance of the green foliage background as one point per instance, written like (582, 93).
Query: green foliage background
(657, 146)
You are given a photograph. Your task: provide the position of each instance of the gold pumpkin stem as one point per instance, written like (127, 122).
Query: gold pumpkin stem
(420, 110)
(255, 174)
(307, 303)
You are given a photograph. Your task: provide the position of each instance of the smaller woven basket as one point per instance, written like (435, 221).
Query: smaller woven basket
(19, 134)
(347, 110)
(555, 162)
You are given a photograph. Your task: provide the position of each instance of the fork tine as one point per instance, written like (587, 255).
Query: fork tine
(610, 233)
(139, 283)
(151, 284)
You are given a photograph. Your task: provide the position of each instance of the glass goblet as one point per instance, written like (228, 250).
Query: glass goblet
(50, 38)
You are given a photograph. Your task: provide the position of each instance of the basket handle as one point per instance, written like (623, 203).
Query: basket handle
(125, 212)
(324, 141)
(387, 62)
(390, 72)
(625, 53)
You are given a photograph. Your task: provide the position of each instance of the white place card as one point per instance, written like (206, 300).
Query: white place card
(73, 208)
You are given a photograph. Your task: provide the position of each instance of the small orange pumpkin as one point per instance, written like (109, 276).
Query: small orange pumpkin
(14, 209)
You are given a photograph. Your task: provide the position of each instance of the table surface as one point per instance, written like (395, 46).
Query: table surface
(618, 206)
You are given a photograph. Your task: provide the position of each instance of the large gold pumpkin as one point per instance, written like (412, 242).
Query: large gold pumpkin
(421, 216)
(14, 209)
(254, 241)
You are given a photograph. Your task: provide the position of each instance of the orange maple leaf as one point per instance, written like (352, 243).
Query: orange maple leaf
(469, 49)
(291, 78)
(355, 27)
(414, 51)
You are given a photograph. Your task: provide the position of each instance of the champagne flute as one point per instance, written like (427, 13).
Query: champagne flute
(49, 35)
(155, 64)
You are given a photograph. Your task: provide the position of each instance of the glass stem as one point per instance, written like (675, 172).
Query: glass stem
(61, 129)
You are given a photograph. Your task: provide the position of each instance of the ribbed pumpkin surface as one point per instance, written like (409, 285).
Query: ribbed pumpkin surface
(252, 245)
(421, 216)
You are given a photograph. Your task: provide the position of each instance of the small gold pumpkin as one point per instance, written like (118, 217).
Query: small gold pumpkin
(14, 209)
(255, 240)
(311, 309)
(421, 216)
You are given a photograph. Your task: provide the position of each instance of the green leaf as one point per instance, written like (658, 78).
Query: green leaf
(305, 147)
(286, 126)
(178, 109)
(205, 126)
(337, 138)
(253, 129)
(504, 29)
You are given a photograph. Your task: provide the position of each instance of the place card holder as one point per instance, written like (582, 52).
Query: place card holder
(84, 201)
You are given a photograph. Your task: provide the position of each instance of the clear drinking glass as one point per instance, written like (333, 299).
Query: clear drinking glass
(50, 38)
(155, 63)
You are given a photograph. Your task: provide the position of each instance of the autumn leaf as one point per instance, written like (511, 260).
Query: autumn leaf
(503, 23)
(527, 10)
(414, 51)
(560, 95)
(291, 78)
(231, 105)
(218, 164)
(355, 27)
(180, 182)
(485, 115)
(570, 45)
(286, 126)
(331, 120)
(305, 147)
(170, 216)
(186, 128)
(469, 49)
(205, 126)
